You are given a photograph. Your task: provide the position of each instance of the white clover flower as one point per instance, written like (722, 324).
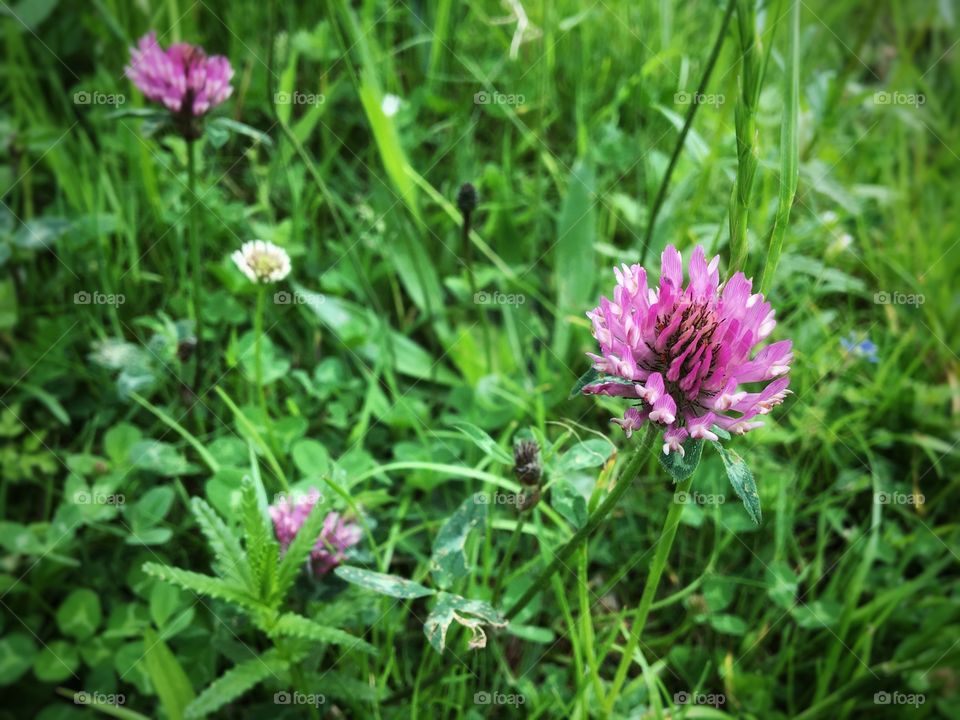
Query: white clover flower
(262, 262)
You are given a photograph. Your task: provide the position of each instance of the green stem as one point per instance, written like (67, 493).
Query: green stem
(508, 556)
(195, 266)
(468, 260)
(789, 150)
(204, 454)
(649, 592)
(255, 436)
(687, 123)
(746, 130)
(625, 481)
(258, 363)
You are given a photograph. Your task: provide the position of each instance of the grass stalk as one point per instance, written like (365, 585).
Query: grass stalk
(687, 124)
(746, 131)
(642, 612)
(789, 149)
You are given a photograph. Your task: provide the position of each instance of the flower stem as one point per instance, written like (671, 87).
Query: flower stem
(474, 295)
(649, 592)
(195, 268)
(507, 557)
(625, 482)
(258, 362)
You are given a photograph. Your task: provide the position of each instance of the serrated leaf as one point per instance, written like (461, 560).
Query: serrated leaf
(293, 625)
(392, 585)
(235, 682)
(681, 466)
(742, 481)
(472, 614)
(231, 562)
(342, 686)
(482, 440)
(167, 676)
(298, 551)
(448, 562)
(203, 584)
(263, 552)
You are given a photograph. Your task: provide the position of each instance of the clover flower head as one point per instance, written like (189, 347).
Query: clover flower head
(262, 262)
(182, 77)
(336, 537)
(685, 352)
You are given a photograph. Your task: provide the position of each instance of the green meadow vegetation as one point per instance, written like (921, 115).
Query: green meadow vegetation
(453, 184)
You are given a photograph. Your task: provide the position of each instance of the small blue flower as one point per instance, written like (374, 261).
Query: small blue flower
(865, 348)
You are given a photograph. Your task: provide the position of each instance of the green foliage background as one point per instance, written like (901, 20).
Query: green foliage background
(397, 382)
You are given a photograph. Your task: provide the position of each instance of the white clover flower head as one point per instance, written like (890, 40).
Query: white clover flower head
(262, 262)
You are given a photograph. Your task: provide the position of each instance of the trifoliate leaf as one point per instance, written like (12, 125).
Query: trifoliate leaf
(449, 561)
(472, 614)
(567, 501)
(80, 614)
(391, 585)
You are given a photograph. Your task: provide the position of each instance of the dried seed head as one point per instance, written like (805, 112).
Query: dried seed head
(528, 499)
(526, 459)
(467, 199)
(185, 349)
